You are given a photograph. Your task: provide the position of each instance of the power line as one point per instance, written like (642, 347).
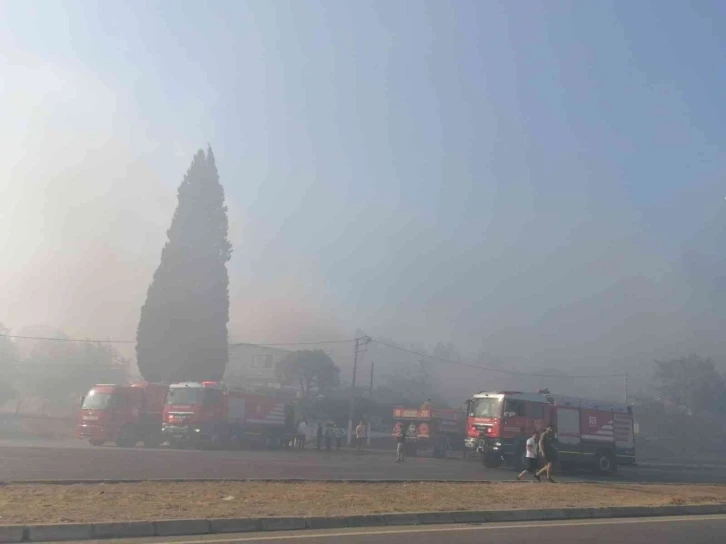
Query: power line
(479, 367)
(57, 339)
(294, 343)
(235, 344)
(392, 346)
(61, 366)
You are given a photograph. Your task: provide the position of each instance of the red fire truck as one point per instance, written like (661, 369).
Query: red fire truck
(209, 413)
(125, 414)
(441, 430)
(599, 434)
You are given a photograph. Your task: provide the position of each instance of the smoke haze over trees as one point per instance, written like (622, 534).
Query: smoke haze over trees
(8, 366)
(577, 226)
(182, 333)
(56, 373)
(310, 370)
(692, 384)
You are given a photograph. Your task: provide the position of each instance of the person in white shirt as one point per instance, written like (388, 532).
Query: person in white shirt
(532, 456)
(302, 431)
(361, 431)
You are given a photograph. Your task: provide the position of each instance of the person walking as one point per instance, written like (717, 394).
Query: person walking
(339, 434)
(531, 454)
(548, 451)
(302, 432)
(400, 445)
(319, 437)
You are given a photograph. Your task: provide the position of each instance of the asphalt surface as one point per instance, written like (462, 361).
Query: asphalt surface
(693, 530)
(23, 460)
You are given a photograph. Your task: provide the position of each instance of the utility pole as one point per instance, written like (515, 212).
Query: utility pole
(370, 386)
(370, 399)
(625, 384)
(358, 343)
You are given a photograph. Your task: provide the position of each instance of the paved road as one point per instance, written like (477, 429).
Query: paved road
(76, 460)
(693, 530)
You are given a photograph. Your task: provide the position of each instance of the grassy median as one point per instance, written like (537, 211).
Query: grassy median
(155, 501)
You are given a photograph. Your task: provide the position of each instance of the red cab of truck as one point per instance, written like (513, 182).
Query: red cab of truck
(209, 413)
(124, 414)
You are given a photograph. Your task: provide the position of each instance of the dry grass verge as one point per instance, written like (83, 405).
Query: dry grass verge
(154, 500)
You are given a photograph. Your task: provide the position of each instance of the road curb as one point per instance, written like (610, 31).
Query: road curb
(328, 481)
(12, 533)
(95, 531)
(271, 480)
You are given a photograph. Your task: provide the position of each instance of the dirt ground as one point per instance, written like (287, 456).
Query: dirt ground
(153, 501)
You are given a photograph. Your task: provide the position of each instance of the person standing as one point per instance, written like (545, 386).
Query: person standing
(549, 453)
(339, 434)
(328, 435)
(400, 445)
(319, 437)
(302, 432)
(360, 436)
(531, 453)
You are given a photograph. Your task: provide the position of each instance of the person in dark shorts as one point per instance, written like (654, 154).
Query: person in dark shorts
(532, 457)
(548, 450)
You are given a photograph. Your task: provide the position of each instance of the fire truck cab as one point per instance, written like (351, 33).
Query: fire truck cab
(588, 432)
(125, 414)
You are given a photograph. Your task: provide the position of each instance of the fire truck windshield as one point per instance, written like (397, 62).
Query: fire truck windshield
(485, 408)
(185, 395)
(97, 401)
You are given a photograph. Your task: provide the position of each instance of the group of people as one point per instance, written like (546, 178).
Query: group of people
(541, 454)
(329, 432)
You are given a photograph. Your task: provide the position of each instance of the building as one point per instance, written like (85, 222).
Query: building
(252, 366)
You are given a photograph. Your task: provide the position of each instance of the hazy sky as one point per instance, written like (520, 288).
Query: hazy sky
(541, 180)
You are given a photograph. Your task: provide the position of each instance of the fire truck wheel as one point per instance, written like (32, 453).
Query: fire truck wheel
(492, 460)
(519, 461)
(94, 442)
(605, 462)
(215, 441)
(127, 437)
(152, 440)
(236, 441)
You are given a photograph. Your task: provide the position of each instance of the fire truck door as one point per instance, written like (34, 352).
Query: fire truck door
(567, 427)
(536, 417)
(514, 418)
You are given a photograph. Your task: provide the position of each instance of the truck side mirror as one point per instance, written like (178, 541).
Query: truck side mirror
(83, 399)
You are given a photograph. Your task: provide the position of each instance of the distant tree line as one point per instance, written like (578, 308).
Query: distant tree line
(56, 372)
(692, 384)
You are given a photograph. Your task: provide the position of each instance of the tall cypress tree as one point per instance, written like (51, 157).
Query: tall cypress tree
(182, 334)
